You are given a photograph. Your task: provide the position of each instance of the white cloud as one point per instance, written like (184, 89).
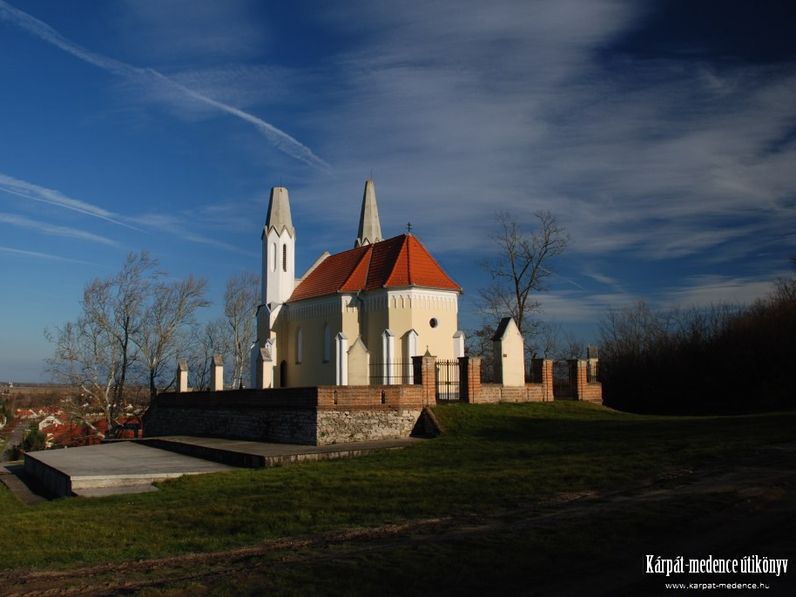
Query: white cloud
(509, 107)
(581, 307)
(705, 290)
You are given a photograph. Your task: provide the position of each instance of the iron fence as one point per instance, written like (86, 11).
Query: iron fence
(395, 373)
(563, 379)
(488, 372)
(533, 374)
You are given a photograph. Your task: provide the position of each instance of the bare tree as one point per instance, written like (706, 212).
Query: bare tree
(521, 269)
(115, 305)
(87, 356)
(169, 310)
(126, 319)
(479, 343)
(240, 308)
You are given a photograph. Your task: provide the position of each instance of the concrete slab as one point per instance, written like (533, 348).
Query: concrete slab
(123, 464)
(252, 454)
(132, 466)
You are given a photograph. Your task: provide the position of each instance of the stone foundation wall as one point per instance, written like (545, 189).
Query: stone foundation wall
(316, 416)
(336, 426)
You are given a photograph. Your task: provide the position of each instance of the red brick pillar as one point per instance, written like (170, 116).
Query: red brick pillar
(579, 381)
(547, 380)
(426, 367)
(470, 379)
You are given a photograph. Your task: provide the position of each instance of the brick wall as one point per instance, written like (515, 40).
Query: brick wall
(531, 392)
(316, 415)
(494, 392)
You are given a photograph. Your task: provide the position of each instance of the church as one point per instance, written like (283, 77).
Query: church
(353, 318)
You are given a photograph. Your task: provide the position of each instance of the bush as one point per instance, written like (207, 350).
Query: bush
(34, 439)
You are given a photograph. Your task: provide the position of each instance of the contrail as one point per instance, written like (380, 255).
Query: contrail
(28, 190)
(43, 255)
(44, 228)
(281, 140)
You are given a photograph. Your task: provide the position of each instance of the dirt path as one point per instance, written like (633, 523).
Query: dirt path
(758, 497)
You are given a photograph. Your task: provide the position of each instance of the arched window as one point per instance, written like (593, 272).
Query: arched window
(273, 257)
(299, 345)
(284, 258)
(327, 343)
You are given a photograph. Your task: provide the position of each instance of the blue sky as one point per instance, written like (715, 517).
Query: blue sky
(663, 135)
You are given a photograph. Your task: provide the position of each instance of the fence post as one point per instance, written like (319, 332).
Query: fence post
(217, 374)
(264, 374)
(470, 379)
(426, 366)
(182, 375)
(547, 380)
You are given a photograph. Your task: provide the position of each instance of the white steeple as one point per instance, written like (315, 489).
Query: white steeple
(279, 255)
(369, 226)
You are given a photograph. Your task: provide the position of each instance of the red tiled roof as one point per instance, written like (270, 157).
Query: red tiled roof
(393, 263)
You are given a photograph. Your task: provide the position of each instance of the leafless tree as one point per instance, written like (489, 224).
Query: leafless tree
(87, 356)
(115, 305)
(127, 319)
(521, 268)
(240, 307)
(169, 310)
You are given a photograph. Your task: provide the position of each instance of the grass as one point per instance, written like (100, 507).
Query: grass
(491, 458)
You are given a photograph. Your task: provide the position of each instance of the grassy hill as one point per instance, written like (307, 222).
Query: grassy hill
(500, 463)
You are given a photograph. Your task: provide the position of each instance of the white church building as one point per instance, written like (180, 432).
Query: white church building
(353, 318)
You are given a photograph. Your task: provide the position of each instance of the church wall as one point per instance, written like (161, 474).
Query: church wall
(316, 365)
(376, 320)
(350, 317)
(414, 309)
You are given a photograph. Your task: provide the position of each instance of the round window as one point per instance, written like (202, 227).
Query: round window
(433, 322)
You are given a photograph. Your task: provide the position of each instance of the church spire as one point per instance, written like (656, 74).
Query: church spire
(278, 216)
(279, 253)
(369, 225)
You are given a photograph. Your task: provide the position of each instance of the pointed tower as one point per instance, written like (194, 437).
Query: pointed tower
(369, 225)
(279, 255)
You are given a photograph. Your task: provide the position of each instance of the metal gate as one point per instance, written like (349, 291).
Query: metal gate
(564, 380)
(447, 380)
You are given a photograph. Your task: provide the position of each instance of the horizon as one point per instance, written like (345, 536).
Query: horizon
(661, 135)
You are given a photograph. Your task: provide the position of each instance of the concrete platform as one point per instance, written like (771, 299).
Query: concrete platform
(249, 454)
(132, 466)
(80, 471)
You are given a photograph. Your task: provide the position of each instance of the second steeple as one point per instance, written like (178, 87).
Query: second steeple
(369, 226)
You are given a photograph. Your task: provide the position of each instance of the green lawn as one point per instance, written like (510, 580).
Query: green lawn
(491, 457)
